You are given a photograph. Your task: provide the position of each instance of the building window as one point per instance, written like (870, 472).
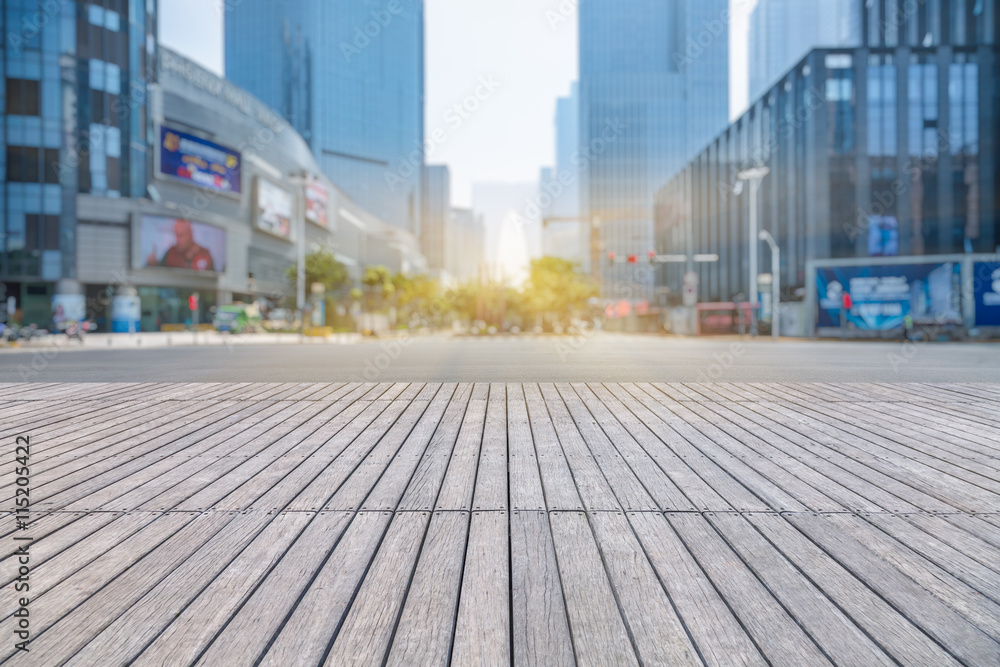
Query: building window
(24, 97)
(30, 164)
(41, 232)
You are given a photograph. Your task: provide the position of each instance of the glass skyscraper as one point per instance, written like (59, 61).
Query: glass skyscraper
(73, 126)
(654, 88)
(349, 77)
(885, 150)
(782, 32)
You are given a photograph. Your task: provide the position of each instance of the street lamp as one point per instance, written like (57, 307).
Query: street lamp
(755, 176)
(299, 181)
(775, 282)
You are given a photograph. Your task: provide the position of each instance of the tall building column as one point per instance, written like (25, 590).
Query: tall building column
(989, 121)
(945, 178)
(904, 214)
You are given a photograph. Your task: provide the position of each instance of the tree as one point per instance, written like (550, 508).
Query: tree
(557, 289)
(322, 267)
(378, 280)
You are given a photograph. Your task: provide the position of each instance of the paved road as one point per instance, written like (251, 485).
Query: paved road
(600, 358)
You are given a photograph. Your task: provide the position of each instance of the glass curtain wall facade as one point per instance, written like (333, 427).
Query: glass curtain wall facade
(873, 152)
(73, 120)
(436, 216)
(349, 77)
(782, 32)
(653, 90)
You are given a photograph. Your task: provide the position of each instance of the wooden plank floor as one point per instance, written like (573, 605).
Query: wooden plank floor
(497, 524)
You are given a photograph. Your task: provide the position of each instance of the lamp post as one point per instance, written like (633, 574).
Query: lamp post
(755, 176)
(299, 181)
(775, 282)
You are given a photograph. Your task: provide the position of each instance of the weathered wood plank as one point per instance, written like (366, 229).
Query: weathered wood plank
(659, 636)
(364, 637)
(894, 632)
(599, 633)
(841, 640)
(482, 627)
(305, 636)
(539, 624)
(492, 483)
(229, 622)
(525, 478)
(460, 478)
(773, 629)
(717, 634)
(962, 639)
(426, 623)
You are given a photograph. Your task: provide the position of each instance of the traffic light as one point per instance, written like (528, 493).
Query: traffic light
(632, 259)
(193, 302)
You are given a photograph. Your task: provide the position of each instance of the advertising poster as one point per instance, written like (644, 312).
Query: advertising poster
(882, 296)
(126, 313)
(883, 236)
(199, 161)
(986, 286)
(181, 244)
(274, 209)
(67, 308)
(317, 204)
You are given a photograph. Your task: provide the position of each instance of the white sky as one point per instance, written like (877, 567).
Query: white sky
(516, 42)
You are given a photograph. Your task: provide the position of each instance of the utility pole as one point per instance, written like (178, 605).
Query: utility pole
(299, 181)
(775, 282)
(755, 176)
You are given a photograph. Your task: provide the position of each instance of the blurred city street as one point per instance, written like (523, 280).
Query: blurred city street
(603, 357)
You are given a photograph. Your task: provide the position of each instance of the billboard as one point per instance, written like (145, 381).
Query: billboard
(882, 296)
(181, 244)
(200, 162)
(274, 209)
(986, 289)
(883, 236)
(317, 204)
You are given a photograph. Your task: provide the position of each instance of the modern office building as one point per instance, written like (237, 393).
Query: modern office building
(782, 32)
(436, 217)
(349, 77)
(565, 233)
(466, 244)
(74, 128)
(653, 90)
(884, 151)
(213, 207)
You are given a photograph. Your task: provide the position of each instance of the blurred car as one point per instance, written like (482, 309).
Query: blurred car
(237, 318)
(280, 318)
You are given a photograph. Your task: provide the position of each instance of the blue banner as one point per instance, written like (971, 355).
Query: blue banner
(881, 297)
(986, 286)
(201, 162)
